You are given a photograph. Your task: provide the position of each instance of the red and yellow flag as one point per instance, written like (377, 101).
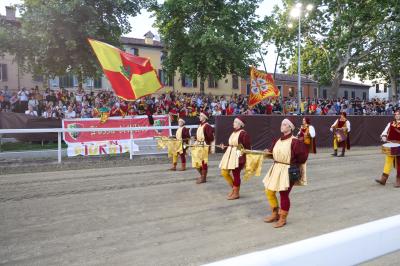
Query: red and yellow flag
(131, 76)
(262, 86)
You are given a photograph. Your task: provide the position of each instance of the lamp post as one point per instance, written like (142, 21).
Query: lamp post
(296, 13)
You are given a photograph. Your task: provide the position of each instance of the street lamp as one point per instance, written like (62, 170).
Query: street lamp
(296, 13)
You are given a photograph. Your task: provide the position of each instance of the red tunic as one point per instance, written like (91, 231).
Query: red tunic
(244, 139)
(341, 124)
(208, 133)
(394, 132)
(312, 147)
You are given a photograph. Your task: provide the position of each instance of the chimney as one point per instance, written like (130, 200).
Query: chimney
(149, 38)
(10, 13)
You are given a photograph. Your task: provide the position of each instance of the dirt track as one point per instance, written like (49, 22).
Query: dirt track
(144, 215)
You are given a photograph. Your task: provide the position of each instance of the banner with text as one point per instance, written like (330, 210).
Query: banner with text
(110, 142)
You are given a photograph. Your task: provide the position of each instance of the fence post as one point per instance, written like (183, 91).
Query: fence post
(59, 147)
(130, 145)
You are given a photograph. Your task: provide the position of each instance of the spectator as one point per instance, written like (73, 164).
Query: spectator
(30, 111)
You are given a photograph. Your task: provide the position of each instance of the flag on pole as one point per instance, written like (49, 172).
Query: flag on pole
(131, 76)
(262, 86)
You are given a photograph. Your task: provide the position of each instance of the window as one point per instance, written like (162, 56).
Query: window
(186, 81)
(385, 88)
(3, 72)
(364, 95)
(377, 88)
(353, 94)
(346, 95)
(280, 89)
(66, 81)
(315, 93)
(97, 83)
(212, 83)
(324, 94)
(164, 79)
(135, 51)
(37, 78)
(291, 92)
(235, 82)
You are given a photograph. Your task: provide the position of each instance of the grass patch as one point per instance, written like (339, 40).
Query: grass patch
(22, 146)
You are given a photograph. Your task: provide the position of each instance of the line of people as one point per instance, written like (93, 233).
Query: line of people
(289, 154)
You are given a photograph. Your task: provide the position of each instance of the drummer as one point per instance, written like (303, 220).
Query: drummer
(391, 134)
(341, 136)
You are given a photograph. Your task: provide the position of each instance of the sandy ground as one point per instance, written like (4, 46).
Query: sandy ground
(144, 215)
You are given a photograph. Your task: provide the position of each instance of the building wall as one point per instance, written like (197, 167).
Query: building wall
(356, 91)
(25, 79)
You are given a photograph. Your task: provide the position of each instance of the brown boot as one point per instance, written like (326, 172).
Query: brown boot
(183, 167)
(173, 168)
(397, 182)
(334, 153)
(282, 219)
(273, 217)
(383, 179)
(203, 177)
(235, 193)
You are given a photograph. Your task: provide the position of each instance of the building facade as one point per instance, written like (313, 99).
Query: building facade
(349, 90)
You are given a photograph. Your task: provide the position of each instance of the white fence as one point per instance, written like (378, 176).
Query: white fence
(349, 246)
(59, 131)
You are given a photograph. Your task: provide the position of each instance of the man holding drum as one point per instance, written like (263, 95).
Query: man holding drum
(391, 135)
(341, 130)
(233, 160)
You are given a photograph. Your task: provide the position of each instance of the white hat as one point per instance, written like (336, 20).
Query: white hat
(239, 121)
(287, 121)
(180, 119)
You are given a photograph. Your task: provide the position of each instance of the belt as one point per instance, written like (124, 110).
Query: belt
(281, 162)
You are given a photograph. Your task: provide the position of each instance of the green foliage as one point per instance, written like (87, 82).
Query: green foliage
(208, 37)
(55, 33)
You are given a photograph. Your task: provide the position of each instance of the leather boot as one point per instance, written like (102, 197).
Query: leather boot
(235, 193)
(383, 179)
(282, 219)
(334, 153)
(397, 185)
(343, 151)
(273, 217)
(173, 168)
(199, 170)
(203, 177)
(183, 167)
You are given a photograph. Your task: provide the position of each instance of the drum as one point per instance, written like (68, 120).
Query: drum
(340, 136)
(392, 149)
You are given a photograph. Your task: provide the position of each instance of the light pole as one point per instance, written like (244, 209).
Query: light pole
(296, 13)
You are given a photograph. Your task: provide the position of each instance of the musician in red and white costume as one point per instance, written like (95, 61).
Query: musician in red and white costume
(307, 135)
(341, 128)
(391, 134)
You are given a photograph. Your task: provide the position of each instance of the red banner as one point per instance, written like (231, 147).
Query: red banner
(114, 122)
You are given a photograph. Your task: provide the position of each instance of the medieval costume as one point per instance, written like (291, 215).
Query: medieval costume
(289, 155)
(341, 134)
(233, 160)
(307, 135)
(391, 134)
(182, 135)
(204, 141)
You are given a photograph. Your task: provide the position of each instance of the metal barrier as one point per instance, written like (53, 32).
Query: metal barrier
(59, 131)
(349, 246)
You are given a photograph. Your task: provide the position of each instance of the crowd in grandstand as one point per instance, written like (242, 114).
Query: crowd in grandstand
(62, 103)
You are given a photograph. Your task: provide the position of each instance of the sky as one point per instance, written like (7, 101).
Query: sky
(144, 23)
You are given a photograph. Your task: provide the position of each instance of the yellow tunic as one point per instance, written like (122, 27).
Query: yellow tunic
(230, 160)
(277, 178)
(179, 133)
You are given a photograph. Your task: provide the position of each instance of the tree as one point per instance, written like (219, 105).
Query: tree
(384, 62)
(56, 32)
(208, 38)
(346, 29)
